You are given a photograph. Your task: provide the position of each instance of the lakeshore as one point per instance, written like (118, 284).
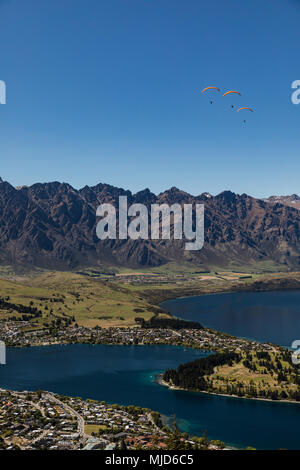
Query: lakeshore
(20, 333)
(162, 382)
(260, 316)
(126, 375)
(66, 423)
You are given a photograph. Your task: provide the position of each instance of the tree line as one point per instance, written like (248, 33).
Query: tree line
(191, 375)
(168, 323)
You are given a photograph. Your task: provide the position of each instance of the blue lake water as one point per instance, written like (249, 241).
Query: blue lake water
(263, 316)
(126, 375)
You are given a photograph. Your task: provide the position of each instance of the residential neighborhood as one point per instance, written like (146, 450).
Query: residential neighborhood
(41, 420)
(21, 333)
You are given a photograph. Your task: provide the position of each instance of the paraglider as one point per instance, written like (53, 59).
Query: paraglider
(232, 92)
(243, 109)
(211, 88)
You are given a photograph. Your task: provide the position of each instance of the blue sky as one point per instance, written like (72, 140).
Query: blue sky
(110, 91)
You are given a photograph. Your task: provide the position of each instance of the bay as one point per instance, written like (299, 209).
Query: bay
(126, 375)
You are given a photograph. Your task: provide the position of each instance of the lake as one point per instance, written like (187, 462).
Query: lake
(262, 316)
(126, 375)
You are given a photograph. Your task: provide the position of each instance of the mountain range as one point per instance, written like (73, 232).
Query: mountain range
(292, 201)
(52, 225)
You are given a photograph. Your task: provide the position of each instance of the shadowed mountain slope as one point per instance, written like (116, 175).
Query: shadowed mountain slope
(52, 225)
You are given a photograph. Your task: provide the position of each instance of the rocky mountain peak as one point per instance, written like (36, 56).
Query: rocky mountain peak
(52, 225)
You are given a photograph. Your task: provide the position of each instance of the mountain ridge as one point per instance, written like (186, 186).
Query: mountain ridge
(52, 225)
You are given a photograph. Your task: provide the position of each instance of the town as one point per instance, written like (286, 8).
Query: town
(21, 333)
(42, 420)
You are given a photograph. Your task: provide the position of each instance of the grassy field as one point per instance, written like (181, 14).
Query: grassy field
(94, 428)
(214, 283)
(264, 374)
(90, 301)
(258, 375)
(186, 268)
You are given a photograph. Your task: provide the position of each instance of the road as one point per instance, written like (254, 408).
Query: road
(71, 411)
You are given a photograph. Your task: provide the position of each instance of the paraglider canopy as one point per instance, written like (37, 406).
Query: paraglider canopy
(210, 88)
(232, 91)
(241, 109)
